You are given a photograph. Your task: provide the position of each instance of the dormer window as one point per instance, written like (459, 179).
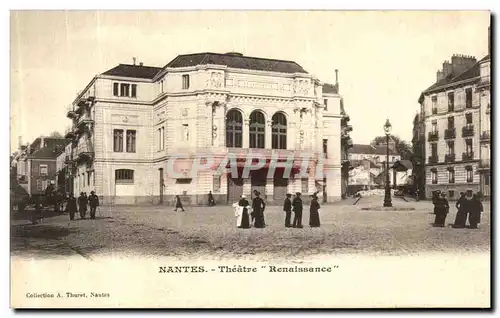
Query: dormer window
(125, 90)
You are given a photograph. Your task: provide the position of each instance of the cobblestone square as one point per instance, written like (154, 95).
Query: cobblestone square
(151, 231)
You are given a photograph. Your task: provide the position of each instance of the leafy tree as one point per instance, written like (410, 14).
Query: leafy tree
(55, 134)
(403, 148)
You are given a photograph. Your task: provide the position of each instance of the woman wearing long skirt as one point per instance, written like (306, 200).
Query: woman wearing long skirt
(475, 212)
(441, 210)
(314, 212)
(242, 207)
(461, 217)
(258, 207)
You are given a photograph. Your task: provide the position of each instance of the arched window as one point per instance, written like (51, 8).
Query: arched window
(279, 131)
(257, 130)
(234, 129)
(124, 176)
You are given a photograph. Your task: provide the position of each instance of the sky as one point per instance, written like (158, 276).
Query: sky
(385, 58)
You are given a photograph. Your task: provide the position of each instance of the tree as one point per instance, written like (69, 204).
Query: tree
(55, 134)
(403, 148)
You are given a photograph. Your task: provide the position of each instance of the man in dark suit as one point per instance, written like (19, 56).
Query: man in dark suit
(297, 209)
(287, 207)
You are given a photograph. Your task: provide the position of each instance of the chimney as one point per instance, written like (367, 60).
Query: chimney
(439, 75)
(42, 140)
(447, 69)
(337, 79)
(461, 63)
(133, 59)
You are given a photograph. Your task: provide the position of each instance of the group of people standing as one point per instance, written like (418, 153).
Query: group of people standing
(73, 205)
(290, 205)
(468, 205)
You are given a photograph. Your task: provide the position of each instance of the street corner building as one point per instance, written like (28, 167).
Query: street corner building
(452, 132)
(129, 121)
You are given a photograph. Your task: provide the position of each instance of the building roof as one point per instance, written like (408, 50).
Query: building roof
(45, 153)
(236, 60)
(371, 150)
(402, 165)
(137, 71)
(330, 89)
(470, 73)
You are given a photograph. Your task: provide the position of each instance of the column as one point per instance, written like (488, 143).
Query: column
(268, 140)
(246, 130)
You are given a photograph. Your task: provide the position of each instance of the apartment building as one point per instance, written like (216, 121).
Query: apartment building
(130, 121)
(450, 114)
(36, 163)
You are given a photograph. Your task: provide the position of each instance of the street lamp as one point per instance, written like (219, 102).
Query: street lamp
(387, 196)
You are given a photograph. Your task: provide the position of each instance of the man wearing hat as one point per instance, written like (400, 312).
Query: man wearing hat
(297, 209)
(287, 207)
(94, 203)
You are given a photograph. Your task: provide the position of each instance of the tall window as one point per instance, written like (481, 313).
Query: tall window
(325, 101)
(234, 129)
(124, 176)
(257, 130)
(279, 131)
(434, 148)
(470, 173)
(468, 97)
(44, 170)
(124, 89)
(434, 176)
(451, 175)
(451, 122)
(468, 120)
(160, 132)
(451, 102)
(88, 177)
(468, 146)
(450, 147)
(434, 129)
(116, 89)
(185, 81)
(325, 146)
(133, 92)
(131, 136)
(434, 104)
(118, 140)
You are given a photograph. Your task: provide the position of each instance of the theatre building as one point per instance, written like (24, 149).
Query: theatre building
(131, 121)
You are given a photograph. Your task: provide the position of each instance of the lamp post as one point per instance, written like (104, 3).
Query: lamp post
(387, 196)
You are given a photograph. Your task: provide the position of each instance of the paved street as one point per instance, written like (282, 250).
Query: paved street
(150, 231)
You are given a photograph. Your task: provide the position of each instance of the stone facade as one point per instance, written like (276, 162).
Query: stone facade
(451, 116)
(182, 113)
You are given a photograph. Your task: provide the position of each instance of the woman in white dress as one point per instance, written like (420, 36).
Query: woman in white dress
(241, 212)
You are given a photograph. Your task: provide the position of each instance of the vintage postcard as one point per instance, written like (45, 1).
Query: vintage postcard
(250, 159)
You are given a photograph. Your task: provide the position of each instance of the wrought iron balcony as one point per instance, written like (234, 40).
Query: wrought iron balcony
(84, 121)
(85, 151)
(70, 112)
(70, 133)
(449, 157)
(468, 156)
(433, 136)
(433, 159)
(468, 131)
(450, 133)
(485, 136)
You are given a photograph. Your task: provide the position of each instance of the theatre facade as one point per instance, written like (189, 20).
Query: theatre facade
(144, 134)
